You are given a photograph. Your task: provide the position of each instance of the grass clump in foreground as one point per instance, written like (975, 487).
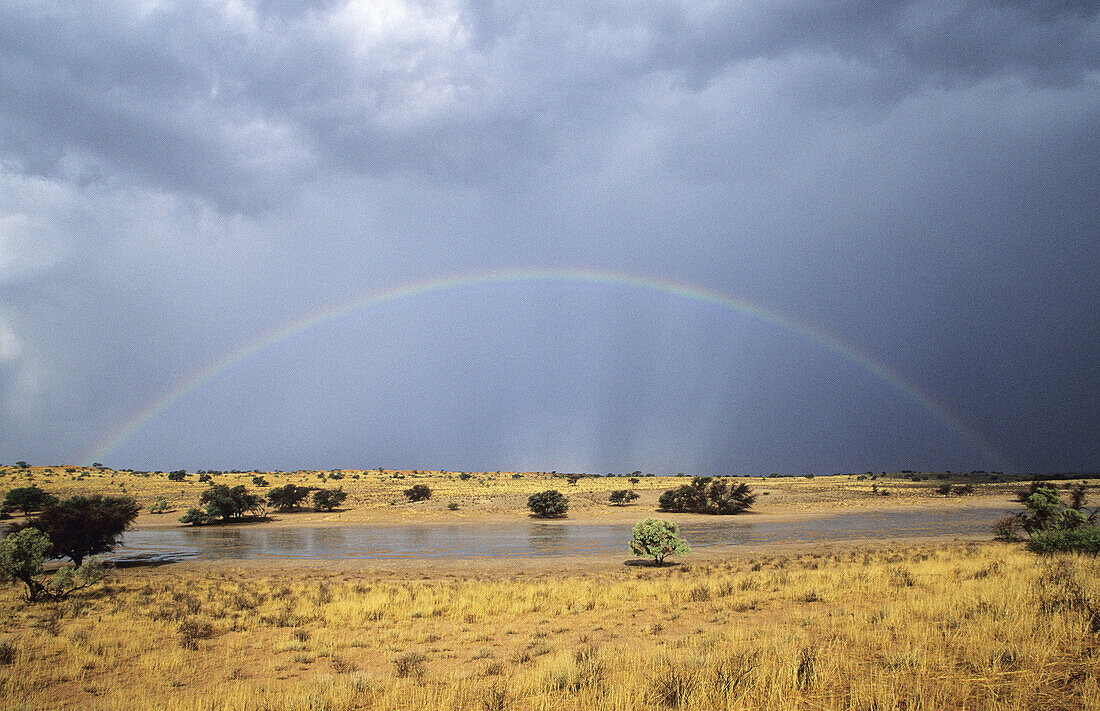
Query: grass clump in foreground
(979, 626)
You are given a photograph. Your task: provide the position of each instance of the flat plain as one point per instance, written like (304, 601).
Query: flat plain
(915, 624)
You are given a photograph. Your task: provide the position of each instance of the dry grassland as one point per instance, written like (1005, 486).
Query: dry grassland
(962, 626)
(376, 495)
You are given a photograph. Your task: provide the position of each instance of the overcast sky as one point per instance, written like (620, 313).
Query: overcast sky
(921, 180)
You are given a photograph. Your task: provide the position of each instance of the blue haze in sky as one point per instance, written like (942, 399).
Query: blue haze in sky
(919, 179)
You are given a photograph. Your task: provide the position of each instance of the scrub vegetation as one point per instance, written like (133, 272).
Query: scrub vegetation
(976, 626)
(983, 625)
(371, 493)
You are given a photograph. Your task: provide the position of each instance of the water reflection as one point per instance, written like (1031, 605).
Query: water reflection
(527, 538)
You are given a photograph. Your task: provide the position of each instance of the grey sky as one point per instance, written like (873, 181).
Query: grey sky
(918, 179)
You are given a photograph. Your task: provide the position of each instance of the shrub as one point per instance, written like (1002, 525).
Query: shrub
(1007, 529)
(328, 499)
(80, 526)
(159, 506)
(179, 475)
(409, 664)
(1084, 539)
(548, 504)
(452, 506)
(259, 481)
(1047, 512)
(418, 492)
(622, 497)
(659, 539)
(288, 497)
(27, 499)
(21, 557)
(465, 476)
(196, 517)
(205, 477)
(708, 495)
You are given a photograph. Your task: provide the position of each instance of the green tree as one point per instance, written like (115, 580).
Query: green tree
(27, 499)
(658, 539)
(548, 504)
(80, 526)
(622, 497)
(708, 495)
(22, 554)
(1052, 524)
(288, 497)
(223, 502)
(418, 492)
(328, 499)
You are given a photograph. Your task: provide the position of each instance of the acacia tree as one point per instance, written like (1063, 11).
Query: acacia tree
(708, 495)
(622, 497)
(21, 557)
(328, 499)
(288, 497)
(27, 499)
(658, 539)
(548, 504)
(80, 526)
(225, 503)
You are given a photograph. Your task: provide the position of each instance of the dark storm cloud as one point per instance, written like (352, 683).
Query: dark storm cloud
(916, 177)
(241, 102)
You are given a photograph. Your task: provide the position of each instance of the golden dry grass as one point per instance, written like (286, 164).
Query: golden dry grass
(378, 493)
(975, 626)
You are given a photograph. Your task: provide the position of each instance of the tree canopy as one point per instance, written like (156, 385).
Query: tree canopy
(80, 526)
(328, 499)
(708, 495)
(27, 499)
(548, 504)
(658, 539)
(22, 554)
(288, 497)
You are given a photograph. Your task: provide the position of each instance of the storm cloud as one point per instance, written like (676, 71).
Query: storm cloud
(917, 179)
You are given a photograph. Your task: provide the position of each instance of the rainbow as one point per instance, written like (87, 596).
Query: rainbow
(237, 355)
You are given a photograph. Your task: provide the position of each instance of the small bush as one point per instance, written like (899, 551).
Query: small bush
(418, 492)
(191, 631)
(196, 517)
(409, 664)
(159, 506)
(1008, 529)
(548, 504)
(465, 476)
(178, 475)
(452, 506)
(259, 481)
(8, 653)
(1085, 539)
